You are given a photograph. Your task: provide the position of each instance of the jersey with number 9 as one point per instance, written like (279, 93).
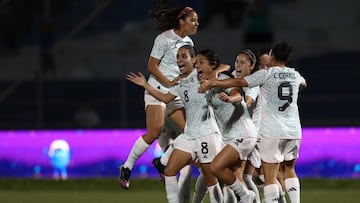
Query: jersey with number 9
(277, 102)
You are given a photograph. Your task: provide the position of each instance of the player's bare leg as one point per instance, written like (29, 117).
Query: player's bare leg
(154, 122)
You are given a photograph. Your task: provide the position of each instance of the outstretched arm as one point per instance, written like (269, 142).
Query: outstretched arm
(140, 80)
(229, 82)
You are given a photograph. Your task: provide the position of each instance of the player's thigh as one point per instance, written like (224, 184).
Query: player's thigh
(226, 158)
(155, 115)
(177, 160)
(178, 117)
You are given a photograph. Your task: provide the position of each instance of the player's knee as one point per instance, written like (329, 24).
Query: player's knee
(289, 164)
(169, 171)
(153, 133)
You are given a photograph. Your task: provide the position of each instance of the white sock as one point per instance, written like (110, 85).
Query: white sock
(215, 194)
(184, 184)
(200, 189)
(293, 189)
(137, 150)
(282, 198)
(251, 185)
(262, 178)
(165, 157)
(239, 189)
(229, 195)
(261, 185)
(271, 193)
(171, 188)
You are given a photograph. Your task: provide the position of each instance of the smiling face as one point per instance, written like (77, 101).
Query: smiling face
(243, 66)
(190, 23)
(185, 61)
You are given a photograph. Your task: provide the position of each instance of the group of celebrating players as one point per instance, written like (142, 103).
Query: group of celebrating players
(230, 123)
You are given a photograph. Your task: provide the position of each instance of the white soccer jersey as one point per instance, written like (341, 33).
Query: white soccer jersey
(199, 118)
(165, 49)
(252, 92)
(233, 118)
(277, 102)
(256, 115)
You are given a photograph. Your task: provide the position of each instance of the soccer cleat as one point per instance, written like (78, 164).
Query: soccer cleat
(248, 198)
(160, 168)
(124, 177)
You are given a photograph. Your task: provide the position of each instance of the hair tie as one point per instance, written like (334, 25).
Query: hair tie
(184, 11)
(250, 54)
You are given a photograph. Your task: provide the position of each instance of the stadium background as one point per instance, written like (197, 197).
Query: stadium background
(97, 42)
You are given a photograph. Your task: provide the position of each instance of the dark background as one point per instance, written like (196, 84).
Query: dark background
(57, 54)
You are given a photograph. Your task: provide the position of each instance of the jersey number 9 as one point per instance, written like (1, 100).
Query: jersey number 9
(285, 92)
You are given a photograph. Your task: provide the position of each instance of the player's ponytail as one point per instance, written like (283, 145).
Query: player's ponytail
(168, 14)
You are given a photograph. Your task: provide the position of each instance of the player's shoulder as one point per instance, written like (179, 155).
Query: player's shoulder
(295, 71)
(165, 36)
(223, 76)
(188, 39)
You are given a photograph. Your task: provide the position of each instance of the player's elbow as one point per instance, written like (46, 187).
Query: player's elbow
(240, 82)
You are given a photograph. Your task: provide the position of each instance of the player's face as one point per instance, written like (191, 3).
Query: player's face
(243, 66)
(264, 61)
(190, 24)
(185, 61)
(203, 66)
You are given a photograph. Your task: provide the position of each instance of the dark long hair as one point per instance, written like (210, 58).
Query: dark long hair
(211, 56)
(167, 14)
(281, 52)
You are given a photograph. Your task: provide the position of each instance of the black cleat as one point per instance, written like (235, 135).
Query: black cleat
(124, 177)
(160, 168)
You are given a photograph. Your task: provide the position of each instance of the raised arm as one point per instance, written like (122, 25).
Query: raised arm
(139, 79)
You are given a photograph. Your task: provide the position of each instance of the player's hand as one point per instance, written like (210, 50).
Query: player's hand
(223, 97)
(138, 79)
(203, 76)
(212, 76)
(175, 81)
(204, 85)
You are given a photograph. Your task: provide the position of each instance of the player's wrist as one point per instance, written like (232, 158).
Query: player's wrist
(213, 83)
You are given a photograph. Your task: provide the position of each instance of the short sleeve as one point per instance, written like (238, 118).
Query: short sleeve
(159, 47)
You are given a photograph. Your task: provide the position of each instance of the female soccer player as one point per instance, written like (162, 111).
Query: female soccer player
(246, 64)
(201, 139)
(280, 128)
(238, 131)
(177, 25)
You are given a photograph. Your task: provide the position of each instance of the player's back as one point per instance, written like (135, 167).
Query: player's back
(278, 101)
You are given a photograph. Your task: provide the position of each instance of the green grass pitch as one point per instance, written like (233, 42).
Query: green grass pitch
(148, 191)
